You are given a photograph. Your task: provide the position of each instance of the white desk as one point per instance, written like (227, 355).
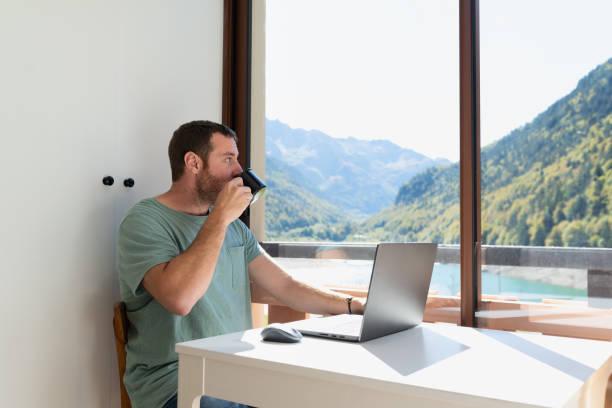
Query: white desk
(433, 365)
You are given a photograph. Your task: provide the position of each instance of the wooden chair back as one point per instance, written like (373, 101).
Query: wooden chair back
(120, 324)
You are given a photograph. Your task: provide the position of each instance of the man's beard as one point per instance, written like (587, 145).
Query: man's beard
(209, 187)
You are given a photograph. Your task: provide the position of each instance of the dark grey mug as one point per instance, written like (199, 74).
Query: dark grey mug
(258, 188)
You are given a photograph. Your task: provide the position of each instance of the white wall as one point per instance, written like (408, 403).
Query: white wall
(88, 89)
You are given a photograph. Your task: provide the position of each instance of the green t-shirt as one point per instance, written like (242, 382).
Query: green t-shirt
(151, 234)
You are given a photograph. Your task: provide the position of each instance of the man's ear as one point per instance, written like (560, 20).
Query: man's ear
(193, 163)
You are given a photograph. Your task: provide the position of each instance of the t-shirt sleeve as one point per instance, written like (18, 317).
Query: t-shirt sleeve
(142, 244)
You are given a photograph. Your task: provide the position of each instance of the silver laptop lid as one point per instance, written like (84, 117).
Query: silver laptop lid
(398, 288)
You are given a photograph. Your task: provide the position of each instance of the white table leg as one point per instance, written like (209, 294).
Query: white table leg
(190, 381)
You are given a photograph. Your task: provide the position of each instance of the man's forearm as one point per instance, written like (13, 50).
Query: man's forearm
(185, 279)
(268, 275)
(303, 297)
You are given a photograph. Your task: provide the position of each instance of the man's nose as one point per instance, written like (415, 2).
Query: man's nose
(237, 169)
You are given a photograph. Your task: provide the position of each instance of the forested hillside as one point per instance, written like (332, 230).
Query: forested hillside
(294, 213)
(546, 183)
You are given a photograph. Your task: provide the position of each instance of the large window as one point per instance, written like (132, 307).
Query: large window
(362, 140)
(546, 132)
(362, 125)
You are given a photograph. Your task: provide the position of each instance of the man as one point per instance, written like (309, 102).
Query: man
(185, 261)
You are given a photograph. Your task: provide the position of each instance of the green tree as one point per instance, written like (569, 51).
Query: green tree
(598, 203)
(575, 236)
(559, 215)
(604, 230)
(555, 238)
(598, 172)
(539, 237)
(522, 229)
(577, 208)
(547, 222)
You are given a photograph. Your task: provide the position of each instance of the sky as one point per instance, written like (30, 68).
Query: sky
(389, 69)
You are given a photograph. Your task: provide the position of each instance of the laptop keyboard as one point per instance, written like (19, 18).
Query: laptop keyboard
(344, 325)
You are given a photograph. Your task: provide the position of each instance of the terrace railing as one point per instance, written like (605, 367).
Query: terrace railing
(591, 319)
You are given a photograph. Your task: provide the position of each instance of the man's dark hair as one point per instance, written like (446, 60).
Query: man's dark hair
(193, 137)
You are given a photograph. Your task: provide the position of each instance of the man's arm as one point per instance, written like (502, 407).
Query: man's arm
(177, 285)
(298, 295)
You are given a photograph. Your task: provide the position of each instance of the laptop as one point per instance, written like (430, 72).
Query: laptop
(396, 299)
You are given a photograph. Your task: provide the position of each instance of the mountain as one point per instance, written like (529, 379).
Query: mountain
(546, 183)
(360, 177)
(294, 213)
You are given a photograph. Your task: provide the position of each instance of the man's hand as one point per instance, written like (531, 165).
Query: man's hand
(232, 201)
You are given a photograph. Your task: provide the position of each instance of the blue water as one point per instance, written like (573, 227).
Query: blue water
(445, 279)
